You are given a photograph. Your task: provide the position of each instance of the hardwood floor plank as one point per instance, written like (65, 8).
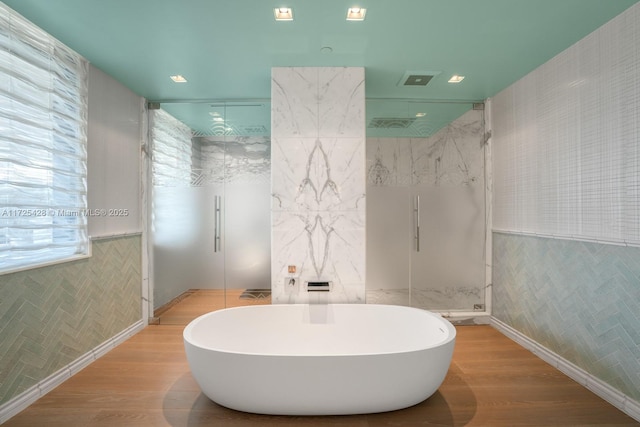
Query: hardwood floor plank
(492, 382)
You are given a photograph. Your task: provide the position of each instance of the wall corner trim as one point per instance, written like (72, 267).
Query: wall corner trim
(620, 400)
(19, 403)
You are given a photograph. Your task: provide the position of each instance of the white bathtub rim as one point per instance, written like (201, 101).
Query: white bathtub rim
(186, 334)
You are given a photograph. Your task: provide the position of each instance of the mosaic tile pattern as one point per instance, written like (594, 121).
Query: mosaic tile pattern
(50, 316)
(581, 300)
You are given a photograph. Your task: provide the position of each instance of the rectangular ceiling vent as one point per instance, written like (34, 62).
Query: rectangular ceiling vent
(417, 78)
(391, 122)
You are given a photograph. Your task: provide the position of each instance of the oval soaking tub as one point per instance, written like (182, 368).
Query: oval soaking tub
(319, 359)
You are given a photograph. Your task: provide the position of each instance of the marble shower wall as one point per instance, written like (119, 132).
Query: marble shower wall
(447, 171)
(318, 181)
(453, 157)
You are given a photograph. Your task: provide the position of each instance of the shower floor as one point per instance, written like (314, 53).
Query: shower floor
(146, 382)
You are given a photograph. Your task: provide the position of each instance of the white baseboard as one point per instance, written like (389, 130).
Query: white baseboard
(29, 396)
(618, 399)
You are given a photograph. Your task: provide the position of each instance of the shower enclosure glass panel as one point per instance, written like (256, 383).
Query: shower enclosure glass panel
(425, 205)
(226, 205)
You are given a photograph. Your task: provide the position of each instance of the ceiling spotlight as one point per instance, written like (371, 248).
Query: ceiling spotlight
(283, 13)
(421, 114)
(218, 119)
(178, 78)
(356, 14)
(456, 79)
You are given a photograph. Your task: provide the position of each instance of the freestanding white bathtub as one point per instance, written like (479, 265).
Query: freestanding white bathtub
(319, 359)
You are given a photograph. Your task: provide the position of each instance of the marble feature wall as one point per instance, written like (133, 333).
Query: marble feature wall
(447, 172)
(318, 181)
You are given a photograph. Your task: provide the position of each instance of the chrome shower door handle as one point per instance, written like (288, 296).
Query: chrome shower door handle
(416, 211)
(216, 236)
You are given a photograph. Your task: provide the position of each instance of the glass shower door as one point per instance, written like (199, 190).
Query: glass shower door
(426, 224)
(225, 206)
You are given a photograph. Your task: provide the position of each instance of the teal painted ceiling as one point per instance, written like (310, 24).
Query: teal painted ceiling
(226, 48)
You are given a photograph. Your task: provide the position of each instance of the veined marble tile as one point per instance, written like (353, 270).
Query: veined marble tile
(389, 296)
(294, 177)
(340, 172)
(389, 162)
(294, 102)
(341, 102)
(318, 174)
(447, 298)
(322, 246)
(291, 244)
(452, 157)
(343, 239)
(318, 180)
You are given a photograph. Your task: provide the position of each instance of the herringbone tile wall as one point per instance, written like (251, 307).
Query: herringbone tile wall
(579, 299)
(51, 316)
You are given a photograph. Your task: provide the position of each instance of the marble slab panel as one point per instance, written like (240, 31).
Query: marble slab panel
(452, 157)
(389, 162)
(318, 174)
(295, 181)
(322, 246)
(294, 102)
(341, 109)
(318, 181)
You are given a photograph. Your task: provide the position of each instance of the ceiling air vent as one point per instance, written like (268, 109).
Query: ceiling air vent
(391, 122)
(417, 78)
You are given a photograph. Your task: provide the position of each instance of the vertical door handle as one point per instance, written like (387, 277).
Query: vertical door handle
(216, 242)
(416, 211)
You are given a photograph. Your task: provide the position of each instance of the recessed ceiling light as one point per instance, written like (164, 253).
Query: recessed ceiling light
(218, 119)
(178, 78)
(421, 114)
(283, 13)
(356, 14)
(456, 79)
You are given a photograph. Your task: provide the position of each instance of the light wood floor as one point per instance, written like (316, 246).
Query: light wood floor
(146, 382)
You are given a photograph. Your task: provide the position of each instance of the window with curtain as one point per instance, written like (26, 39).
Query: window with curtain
(43, 121)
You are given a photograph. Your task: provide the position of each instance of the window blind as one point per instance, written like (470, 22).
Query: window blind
(566, 142)
(43, 120)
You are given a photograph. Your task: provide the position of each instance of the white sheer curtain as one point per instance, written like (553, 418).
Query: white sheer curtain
(43, 120)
